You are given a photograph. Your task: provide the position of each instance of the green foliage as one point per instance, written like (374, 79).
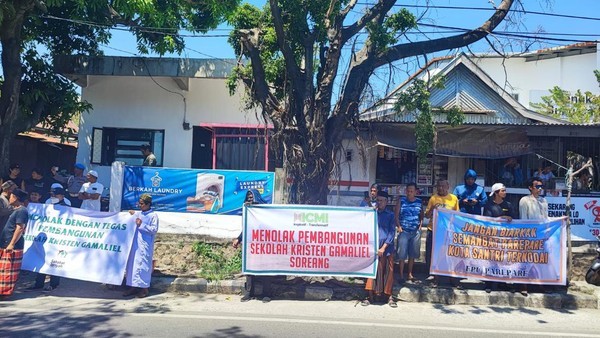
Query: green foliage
(216, 265)
(578, 107)
(71, 27)
(416, 100)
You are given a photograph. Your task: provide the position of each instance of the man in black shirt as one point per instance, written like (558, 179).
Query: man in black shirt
(497, 206)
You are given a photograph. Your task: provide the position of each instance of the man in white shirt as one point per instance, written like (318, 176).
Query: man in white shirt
(90, 192)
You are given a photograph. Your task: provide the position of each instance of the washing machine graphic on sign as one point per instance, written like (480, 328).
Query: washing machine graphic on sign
(209, 194)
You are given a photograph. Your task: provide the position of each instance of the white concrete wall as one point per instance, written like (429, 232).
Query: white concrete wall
(138, 102)
(355, 176)
(533, 79)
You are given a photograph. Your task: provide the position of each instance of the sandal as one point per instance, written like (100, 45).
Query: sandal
(392, 303)
(365, 302)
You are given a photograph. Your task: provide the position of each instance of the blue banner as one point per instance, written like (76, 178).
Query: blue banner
(492, 249)
(195, 190)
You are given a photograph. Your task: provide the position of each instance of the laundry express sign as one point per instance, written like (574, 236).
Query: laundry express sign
(585, 215)
(197, 191)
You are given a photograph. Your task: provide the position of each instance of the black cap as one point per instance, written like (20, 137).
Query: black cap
(21, 195)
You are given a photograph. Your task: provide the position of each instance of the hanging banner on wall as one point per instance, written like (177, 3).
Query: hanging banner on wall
(195, 190)
(585, 215)
(521, 251)
(76, 243)
(309, 240)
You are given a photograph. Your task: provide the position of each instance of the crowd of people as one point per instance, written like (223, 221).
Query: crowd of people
(404, 225)
(75, 190)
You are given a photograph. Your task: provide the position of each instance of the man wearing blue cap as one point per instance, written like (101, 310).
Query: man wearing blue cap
(471, 196)
(72, 182)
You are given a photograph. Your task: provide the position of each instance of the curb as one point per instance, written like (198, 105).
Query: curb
(580, 296)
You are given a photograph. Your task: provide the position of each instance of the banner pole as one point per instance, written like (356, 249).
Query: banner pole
(568, 213)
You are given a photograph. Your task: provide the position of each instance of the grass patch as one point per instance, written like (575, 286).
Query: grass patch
(218, 262)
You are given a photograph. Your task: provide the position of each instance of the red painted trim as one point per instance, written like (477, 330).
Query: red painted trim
(350, 183)
(236, 125)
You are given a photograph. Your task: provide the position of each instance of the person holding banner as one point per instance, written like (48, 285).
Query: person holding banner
(533, 206)
(254, 197)
(442, 199)
(409, 218)
(139, 263)
(57, 194)
(12, 243)
(498, 207)
(384, 280)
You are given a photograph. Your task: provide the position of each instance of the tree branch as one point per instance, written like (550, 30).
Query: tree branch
(382, 7)
(405, 50)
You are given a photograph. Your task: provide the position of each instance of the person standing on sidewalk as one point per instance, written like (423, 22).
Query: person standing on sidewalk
(441, 199)
(57, 194)
(533, 206)
(139, 263)
(498, 206)
(383, 283)
(371, 199)
(5, 208)
(253, 197)
(90, 192)
(73, 183)
(471, 196)
(408, 214)
(12, 243)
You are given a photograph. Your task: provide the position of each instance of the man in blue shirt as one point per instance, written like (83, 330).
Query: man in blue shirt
(409, 218)
(471, 197)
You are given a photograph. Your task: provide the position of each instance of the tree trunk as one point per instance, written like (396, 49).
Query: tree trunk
(10, 91)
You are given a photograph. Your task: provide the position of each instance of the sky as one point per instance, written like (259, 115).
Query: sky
(214, 44)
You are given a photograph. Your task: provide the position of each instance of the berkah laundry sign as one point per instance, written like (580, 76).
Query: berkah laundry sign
(194, 190)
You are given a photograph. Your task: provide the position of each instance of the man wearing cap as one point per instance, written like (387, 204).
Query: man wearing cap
(57, 198)
(498, 206)
(72, 182)
(5, 208)
(90, 192)
(57, 195)
(12, 243)
(471, 196)
(139, 263)
(149, 157)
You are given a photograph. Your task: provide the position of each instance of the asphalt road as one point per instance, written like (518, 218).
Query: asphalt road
(94, 311)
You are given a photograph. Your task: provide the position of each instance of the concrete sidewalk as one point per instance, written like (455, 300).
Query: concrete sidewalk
(579, 295)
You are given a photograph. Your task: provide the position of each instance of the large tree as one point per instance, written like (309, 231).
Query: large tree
(30, 91)
(296, 53)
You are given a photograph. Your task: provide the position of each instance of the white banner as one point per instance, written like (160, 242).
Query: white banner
(585, 215)
(76, 243)
(309, 240)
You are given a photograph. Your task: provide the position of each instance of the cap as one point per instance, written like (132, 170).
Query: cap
(8, 184)
(496, 187)
(79, 166)
(93, 173)
(58, 191)
(56, 185)
(14, 166)
(21, 195)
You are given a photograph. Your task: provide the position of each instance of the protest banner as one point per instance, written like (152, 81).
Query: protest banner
(309, 240)
(194, 190)
(585, 215)
(521, 251)
(76, 243)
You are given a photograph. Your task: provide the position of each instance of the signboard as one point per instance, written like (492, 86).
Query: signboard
(76, 243)
(521, 251)
(194, 190)
(309, 240)
(585, 215)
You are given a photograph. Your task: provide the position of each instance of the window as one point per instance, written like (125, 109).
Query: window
(235, 148)
(120, 144)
